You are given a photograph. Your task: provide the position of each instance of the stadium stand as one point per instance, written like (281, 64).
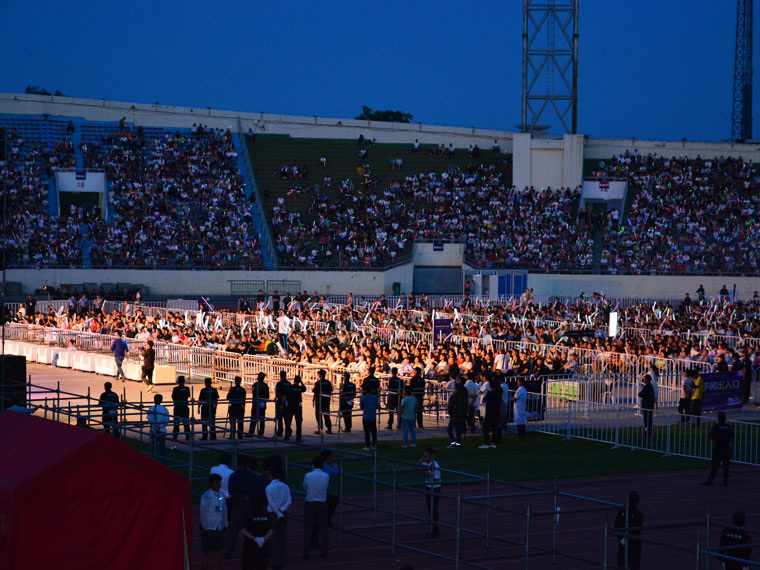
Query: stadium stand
(686, 216)
(178, 199)
(37, 237)
(359, 204)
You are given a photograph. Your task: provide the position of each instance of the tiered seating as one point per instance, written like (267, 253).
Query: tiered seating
(334, 201)
(687, 216)
(178, 200)
(35, 147)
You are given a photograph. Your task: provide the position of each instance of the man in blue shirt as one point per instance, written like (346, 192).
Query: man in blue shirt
(120, 349)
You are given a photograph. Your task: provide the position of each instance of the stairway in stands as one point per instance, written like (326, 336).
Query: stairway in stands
(84, 229)
(76, 140)
(267, 248)
(598, 247)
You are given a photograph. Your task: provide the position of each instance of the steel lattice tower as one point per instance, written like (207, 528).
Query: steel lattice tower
(550, 63)
(741, 118)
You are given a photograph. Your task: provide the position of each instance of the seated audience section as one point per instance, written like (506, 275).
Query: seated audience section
(36, 237)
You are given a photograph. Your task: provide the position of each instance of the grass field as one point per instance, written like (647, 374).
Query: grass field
(538, 457)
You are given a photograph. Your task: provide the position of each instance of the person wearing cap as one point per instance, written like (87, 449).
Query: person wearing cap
(722, 435)
(260, 395)
(736, 542)
(628, 523)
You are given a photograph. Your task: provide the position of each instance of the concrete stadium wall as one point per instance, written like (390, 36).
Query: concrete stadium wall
(451, 255)
(606, 148)
(168, 116)
(643, 286)
(194, 283)
(547, 162)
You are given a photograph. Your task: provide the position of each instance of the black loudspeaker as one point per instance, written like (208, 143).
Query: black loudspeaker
(13, 383)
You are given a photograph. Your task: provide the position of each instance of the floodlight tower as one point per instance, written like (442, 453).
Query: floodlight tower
(550, 63)
(741, 118)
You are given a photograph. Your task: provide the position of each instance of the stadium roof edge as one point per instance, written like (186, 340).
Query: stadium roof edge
(169, 116)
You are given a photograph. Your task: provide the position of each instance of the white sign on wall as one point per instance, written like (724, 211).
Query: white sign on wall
(604, 189)
(80, 181)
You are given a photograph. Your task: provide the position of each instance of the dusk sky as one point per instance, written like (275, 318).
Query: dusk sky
(650, 69)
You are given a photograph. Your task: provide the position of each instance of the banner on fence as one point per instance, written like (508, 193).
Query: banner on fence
(723, 390)
(441, 330)
(564, 389)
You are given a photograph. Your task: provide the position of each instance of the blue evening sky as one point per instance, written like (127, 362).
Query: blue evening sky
(649, 68)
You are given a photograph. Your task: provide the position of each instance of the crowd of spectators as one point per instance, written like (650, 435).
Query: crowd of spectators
(368, 226)
(694, 216)
(177, 200)
(36, 238)
(363, 335)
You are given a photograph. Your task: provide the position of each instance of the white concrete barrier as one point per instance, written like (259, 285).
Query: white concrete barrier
(63, 359)
(83, 361)
(45, 354)
(105, 364)
(164, 375)
(30, 351)
(132, 370)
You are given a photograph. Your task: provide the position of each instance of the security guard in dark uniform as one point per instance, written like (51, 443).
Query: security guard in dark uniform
(346, 402)
(181, 399)
(293, 408)
(260, 394)
(722, 435)
(323, 389)
(109, 401)
(629, 533)
(371, 385)
(392, 399)
(207, 401)
(280, 391)
(417, 383)
(738, 542)
(236, 398)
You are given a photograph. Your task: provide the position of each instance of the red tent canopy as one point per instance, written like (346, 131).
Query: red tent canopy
(73, 498)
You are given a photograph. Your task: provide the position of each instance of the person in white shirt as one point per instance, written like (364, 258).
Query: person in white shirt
(500, 361)
(520, 400)
(432, 489)
(472, 396)
(315, 484)
(283, 330)
(158, 418)
(213, 515)
(224, 471)
(278, 503)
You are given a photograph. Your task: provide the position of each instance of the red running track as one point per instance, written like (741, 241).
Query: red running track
(675, 507)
